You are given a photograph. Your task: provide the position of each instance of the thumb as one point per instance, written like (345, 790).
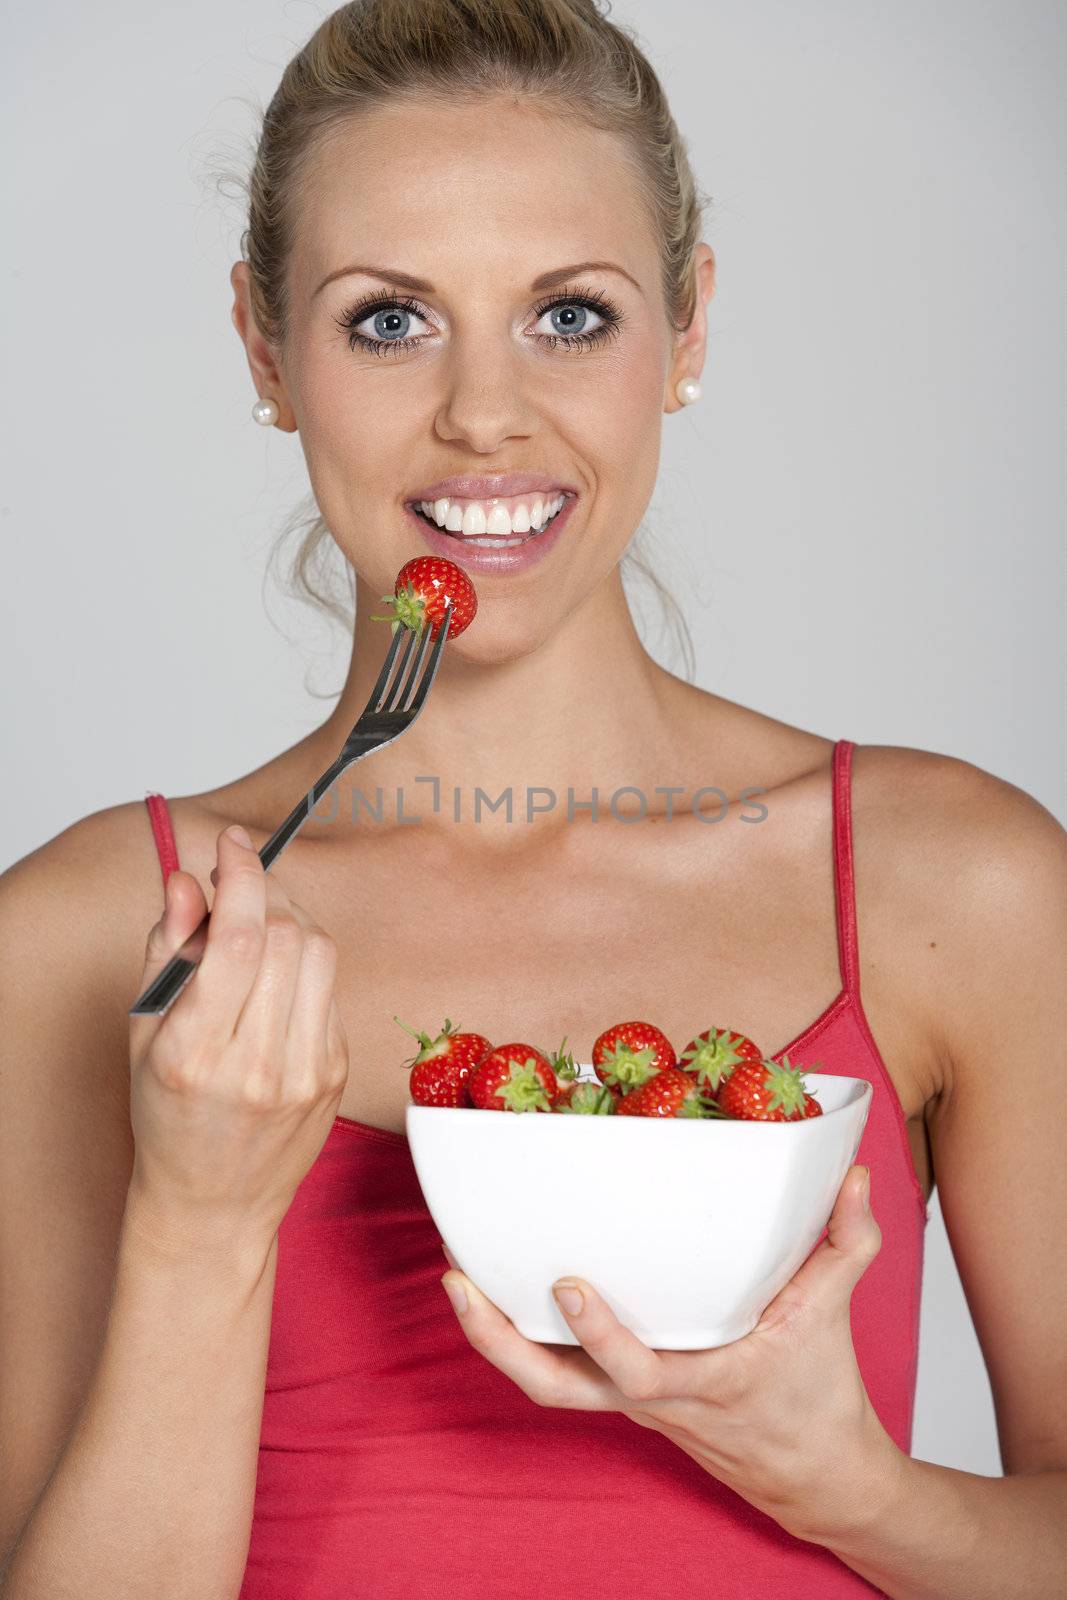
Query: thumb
(853, 1240)
(829, 1275)
(184, 906)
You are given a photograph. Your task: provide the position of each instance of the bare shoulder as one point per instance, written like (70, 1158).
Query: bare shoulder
(950, 824)
(963, 877)
(111, 853)
(943, 797)
(76, 912)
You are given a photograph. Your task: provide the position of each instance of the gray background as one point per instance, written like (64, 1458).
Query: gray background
(863, 516)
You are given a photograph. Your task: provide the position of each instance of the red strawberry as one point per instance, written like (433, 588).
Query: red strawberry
(713, 1055)
(670, 1093)
(441, 1067)
(513, 1077)
(630, 1053)
(812, 1108)
(424, 586)
(764, 1091)
(588, 1099)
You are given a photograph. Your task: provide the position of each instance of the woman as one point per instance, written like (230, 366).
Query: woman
(473, 273)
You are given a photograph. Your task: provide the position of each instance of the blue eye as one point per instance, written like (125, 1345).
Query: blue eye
(390, 319)
(570, 318)
(390, 324)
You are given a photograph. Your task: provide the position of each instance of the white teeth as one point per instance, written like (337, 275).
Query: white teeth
(472, 520)
(494, 544)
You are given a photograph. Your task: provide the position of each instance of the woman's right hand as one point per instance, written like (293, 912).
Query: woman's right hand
(235, 1088)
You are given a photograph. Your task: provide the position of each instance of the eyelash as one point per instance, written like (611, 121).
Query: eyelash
(589, 299)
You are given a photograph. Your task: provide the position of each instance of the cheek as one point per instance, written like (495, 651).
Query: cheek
(353, 447)
(618, 426)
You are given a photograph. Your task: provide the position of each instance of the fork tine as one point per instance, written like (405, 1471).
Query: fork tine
(389, 698)
(398, 701)
(435, 659)
(387, 667)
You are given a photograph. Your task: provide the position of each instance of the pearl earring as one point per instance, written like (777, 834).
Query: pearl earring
(688, 390)
(265, 413)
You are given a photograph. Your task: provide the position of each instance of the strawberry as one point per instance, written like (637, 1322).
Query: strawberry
(513, 1077)
(812, 1108)
(441, 1067)
(764, 1091)
(588, 1099)
(713, 1055)
(424, 586)
(630, 1053)
(670, 1093)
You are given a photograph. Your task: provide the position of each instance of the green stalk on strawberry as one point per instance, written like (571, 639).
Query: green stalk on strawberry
(563, 1065)
(587, 1100)
(514, 1077)
(628, 1054)
(713, 1055)
(766, 1091)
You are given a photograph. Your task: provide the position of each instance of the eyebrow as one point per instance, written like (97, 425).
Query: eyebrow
(547, 280)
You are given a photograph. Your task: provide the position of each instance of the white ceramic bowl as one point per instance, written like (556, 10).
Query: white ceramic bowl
(688, 1228)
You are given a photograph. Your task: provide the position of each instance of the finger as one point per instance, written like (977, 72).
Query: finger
(263, 1020)
(826, 1280)
(236, 939)
(312, 1033)
(636, 1371)
(548, 1374)
(183, 907)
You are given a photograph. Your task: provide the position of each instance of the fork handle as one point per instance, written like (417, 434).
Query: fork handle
(168, 984)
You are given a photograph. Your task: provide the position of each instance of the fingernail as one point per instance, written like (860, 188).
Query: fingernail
(455, 1292)
(867, 1189)
(569, 1295)
(238, 833)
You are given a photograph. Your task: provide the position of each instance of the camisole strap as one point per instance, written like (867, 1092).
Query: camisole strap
(844, 872)
(163, 832)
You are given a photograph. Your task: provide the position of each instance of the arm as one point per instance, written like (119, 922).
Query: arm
(1000, 1002)
(131, 1358)
(158, 1474)
(939, 1534)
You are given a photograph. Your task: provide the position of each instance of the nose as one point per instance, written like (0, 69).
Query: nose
(485, 401)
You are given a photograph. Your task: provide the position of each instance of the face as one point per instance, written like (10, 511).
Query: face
(479, 373)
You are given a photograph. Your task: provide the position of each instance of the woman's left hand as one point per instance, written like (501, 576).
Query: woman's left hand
(781, 1416)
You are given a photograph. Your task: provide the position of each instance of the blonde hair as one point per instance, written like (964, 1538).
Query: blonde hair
(564, 53)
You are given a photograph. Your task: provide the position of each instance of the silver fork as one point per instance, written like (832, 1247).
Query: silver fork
(391, 708)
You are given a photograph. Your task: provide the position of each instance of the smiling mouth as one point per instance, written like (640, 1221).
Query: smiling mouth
(493, 541)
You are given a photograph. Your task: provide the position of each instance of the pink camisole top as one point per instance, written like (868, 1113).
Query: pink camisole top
(395, 1463)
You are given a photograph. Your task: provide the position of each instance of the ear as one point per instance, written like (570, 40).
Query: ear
(688, 358)
(266, 374)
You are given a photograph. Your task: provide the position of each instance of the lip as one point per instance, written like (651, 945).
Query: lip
(497, 485)
(481, 558)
